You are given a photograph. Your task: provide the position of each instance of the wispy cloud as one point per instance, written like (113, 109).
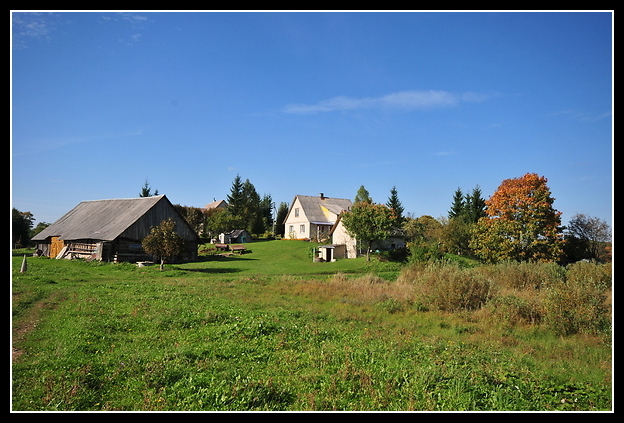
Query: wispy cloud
(584, 116)
(402, 100)
(133, 20)
(26, 26)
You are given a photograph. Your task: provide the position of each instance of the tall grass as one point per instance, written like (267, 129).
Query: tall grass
(568, 300)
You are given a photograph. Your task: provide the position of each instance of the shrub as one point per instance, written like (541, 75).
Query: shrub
(525, 275)
(447, 287)
(515, 308)
(597, 274)
(580, 304)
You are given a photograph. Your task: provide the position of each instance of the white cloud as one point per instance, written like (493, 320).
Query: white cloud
(27, 26)
(404, 100)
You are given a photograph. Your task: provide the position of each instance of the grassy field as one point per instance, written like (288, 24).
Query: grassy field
(272, 331)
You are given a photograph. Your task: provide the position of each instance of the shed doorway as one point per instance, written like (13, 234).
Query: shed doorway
(56, 246)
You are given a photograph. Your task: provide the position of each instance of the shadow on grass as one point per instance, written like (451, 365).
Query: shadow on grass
(214, 270)
(222, 258)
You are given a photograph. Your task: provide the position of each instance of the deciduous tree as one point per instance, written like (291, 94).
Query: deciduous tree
(521, 223)
(368, 223)
(590, 235)
(21, 226)
(164, 242)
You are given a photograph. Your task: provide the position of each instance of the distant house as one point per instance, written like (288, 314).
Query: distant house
(237, 236)
(111, 230)
(220, 204)
(312, 217)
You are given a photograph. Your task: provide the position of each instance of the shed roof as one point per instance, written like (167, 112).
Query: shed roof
(100, 219)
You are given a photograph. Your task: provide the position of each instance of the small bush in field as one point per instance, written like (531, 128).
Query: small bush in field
(448, 287)
(581, 303)
(600, 275)
(515, 308)
(525, 275)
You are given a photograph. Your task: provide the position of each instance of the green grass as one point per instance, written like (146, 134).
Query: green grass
(271, 330)
(269, 258)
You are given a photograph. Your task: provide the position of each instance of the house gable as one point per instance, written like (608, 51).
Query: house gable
(312, 217)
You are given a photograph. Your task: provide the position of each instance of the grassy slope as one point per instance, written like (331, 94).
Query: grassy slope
(235, 334)
(286, 258)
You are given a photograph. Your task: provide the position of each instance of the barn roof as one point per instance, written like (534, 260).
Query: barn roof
(315, 208)
(100, 219)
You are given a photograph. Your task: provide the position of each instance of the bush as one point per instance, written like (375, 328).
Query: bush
(513, 309)
(525, 275)
(598, 274)
(580, 304)
(447, 287)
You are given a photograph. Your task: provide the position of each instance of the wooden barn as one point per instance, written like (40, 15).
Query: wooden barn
(111, 230)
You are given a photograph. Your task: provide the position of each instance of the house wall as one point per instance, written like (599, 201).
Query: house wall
(340, 236)
(297, 224)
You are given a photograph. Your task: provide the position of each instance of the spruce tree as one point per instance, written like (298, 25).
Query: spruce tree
(236, 199)
(395, 205)
(457, 208)
(474, 206)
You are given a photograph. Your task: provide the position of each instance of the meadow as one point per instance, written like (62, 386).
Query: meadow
(271, 330)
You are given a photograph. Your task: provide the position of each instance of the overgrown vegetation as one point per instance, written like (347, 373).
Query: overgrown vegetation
(271, 330)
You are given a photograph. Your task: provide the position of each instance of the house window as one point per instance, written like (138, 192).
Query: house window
(301, 228)
(291, 229)
(296, 212)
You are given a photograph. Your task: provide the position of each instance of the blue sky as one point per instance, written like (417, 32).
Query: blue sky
(306, 102)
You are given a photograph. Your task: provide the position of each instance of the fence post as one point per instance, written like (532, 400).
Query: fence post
(24, 265)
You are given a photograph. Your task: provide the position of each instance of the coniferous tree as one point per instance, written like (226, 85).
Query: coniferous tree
(236, 199)
(395, 205)
(362, 196)
(146, 191)
(280, 226)
(474, 207)
(251, 210)
(457, 208)
(266, 212)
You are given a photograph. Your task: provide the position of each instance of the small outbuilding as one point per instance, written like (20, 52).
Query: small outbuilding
(237, 236)
(332, 252)
(112, 230)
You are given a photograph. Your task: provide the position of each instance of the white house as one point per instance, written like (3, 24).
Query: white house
(312, 217)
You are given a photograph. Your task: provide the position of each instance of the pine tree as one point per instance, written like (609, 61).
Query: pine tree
(236, 199)
(457, 208)
(395, 205)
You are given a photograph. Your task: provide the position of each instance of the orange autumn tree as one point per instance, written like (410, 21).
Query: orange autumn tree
(521, 223)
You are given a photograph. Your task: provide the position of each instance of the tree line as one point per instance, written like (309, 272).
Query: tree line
(518, 222)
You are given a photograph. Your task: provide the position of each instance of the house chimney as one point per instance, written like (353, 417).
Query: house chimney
(322, 196)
